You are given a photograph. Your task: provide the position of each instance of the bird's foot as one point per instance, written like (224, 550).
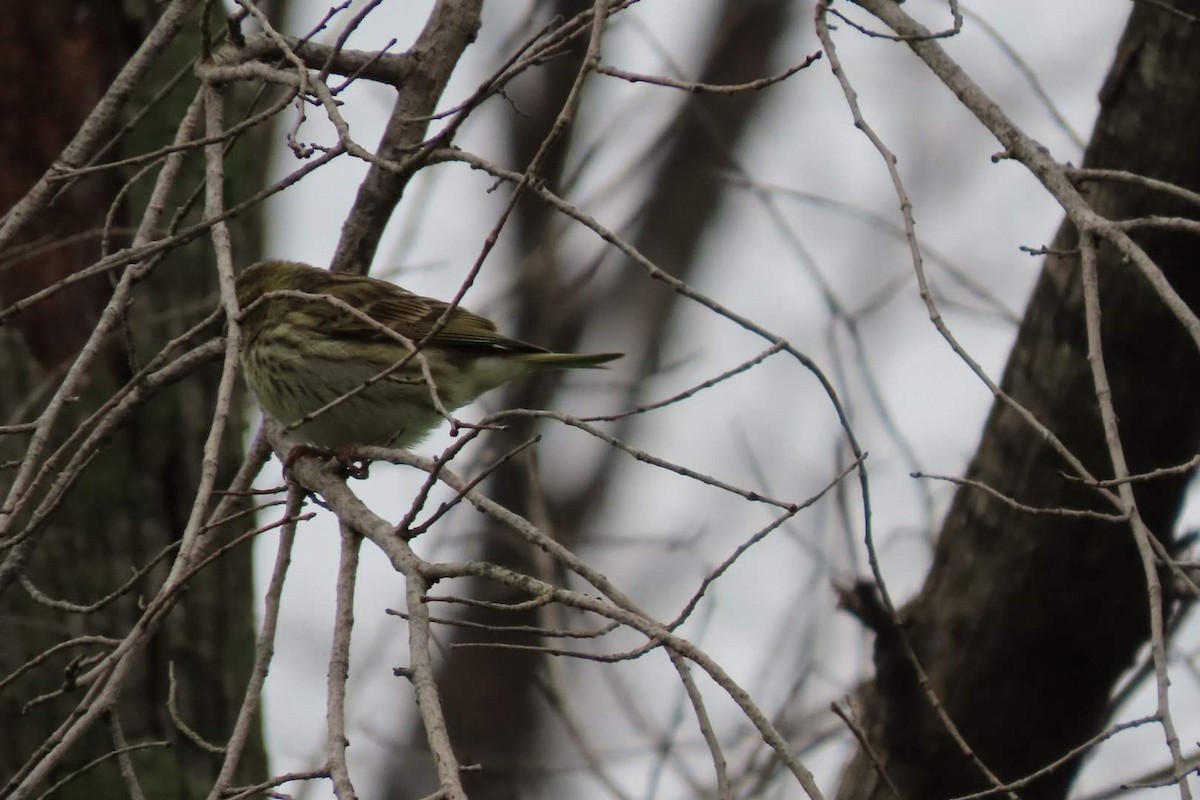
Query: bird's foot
(349, 464)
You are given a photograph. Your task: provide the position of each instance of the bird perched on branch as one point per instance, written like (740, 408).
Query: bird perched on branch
(312, 338)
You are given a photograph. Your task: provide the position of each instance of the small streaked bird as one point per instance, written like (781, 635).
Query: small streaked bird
(300, 354)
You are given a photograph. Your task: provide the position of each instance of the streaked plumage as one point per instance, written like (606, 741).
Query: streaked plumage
(300, 354)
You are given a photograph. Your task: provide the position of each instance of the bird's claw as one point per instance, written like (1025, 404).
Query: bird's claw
(351, 464)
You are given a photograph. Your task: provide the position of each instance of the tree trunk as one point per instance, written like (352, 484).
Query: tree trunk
(133, 500)
(1025, 622)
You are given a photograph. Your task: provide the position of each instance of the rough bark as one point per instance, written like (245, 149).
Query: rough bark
(1025, 622)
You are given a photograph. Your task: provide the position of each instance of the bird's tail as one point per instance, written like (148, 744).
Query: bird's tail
(568, 360)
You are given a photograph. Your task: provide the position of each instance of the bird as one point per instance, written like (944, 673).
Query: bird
(301, 353)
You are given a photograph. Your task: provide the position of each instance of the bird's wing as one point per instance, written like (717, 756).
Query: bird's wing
(414, 317)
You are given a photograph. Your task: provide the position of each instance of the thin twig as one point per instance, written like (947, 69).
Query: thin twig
(339, 667)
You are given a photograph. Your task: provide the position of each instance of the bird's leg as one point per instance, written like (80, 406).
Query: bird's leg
(297, 452)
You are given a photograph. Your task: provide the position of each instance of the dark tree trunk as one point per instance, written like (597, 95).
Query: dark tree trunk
(1025, 621)
(133, 500)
